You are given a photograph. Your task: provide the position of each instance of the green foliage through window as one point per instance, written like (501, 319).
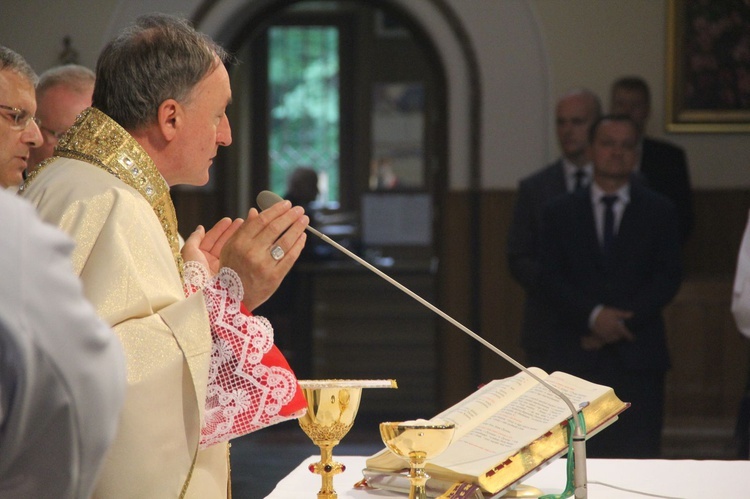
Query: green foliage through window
(304, 105)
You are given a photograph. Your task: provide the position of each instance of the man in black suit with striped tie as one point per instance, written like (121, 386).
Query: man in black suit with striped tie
(610, 263)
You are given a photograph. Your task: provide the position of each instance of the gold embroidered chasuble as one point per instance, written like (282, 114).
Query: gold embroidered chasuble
(99, 140)
(105, 191)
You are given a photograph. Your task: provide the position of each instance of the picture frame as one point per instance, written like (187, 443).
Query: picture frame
(708, 66)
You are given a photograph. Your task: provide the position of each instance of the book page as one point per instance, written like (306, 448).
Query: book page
(521, 421)
(576, 389)
(487, 400)
(471, 411)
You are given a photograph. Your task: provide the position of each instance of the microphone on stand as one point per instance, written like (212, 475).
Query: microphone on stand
(266, 199)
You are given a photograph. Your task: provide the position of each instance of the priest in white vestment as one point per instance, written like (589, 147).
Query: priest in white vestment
(201, 370)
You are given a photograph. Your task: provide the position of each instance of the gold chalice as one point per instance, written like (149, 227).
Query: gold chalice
(417, 441)
(332, 405)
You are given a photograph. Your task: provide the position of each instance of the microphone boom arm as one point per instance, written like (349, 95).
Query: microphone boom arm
(267, 198)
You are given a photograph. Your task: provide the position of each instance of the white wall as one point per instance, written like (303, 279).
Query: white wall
(35, 28)
(515, 82)
(530, 51)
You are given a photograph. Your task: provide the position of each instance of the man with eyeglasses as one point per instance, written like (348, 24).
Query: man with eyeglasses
(62, 371)
(61, 94)
(19, 129)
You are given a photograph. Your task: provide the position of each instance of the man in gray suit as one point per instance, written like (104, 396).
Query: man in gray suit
(576, 111)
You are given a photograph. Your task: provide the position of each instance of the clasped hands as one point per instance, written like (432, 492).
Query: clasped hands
(245, 247)
(608, 327)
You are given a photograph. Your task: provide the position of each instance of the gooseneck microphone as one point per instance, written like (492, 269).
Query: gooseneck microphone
(266, 199)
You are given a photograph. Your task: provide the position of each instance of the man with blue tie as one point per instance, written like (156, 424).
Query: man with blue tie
(610, 263)
(576, 111)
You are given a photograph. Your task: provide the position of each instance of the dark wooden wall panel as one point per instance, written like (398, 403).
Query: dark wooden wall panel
(501, 298)
(720, 219)
(456, 351)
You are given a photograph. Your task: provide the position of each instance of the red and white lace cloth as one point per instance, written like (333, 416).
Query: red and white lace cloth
(250, 383)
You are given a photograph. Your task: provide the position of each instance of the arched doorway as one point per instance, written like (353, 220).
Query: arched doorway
(436, 24)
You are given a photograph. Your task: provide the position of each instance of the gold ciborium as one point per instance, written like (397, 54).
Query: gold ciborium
(417, 441)
(332, 405)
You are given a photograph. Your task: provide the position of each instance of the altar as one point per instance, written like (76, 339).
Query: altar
(607, 478)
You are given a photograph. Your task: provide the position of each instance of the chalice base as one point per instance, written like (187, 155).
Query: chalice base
(417, 441)
(418, 479)
(327, 468)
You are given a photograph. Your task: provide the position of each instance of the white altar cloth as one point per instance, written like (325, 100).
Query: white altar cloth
(682, 479)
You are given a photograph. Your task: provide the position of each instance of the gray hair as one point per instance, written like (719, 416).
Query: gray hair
(13, 61)
(72, 76)
(160, 57)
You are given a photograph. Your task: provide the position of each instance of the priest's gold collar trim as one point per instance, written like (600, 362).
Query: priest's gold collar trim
(97, 139)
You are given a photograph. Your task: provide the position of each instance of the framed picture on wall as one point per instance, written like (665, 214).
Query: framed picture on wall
(708, 66)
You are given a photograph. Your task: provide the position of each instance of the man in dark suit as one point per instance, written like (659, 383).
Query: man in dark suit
(610, 263)
(663, 165)
(576, 111)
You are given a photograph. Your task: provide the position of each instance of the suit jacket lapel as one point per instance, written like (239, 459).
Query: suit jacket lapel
(628, 227)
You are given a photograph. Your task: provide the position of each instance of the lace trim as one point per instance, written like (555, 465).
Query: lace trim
(243, 394)
(195, 277)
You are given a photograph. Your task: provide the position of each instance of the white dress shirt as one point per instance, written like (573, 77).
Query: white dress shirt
(623, 198)
(570, 174)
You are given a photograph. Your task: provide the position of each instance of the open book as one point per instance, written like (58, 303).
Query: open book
(510, 428)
